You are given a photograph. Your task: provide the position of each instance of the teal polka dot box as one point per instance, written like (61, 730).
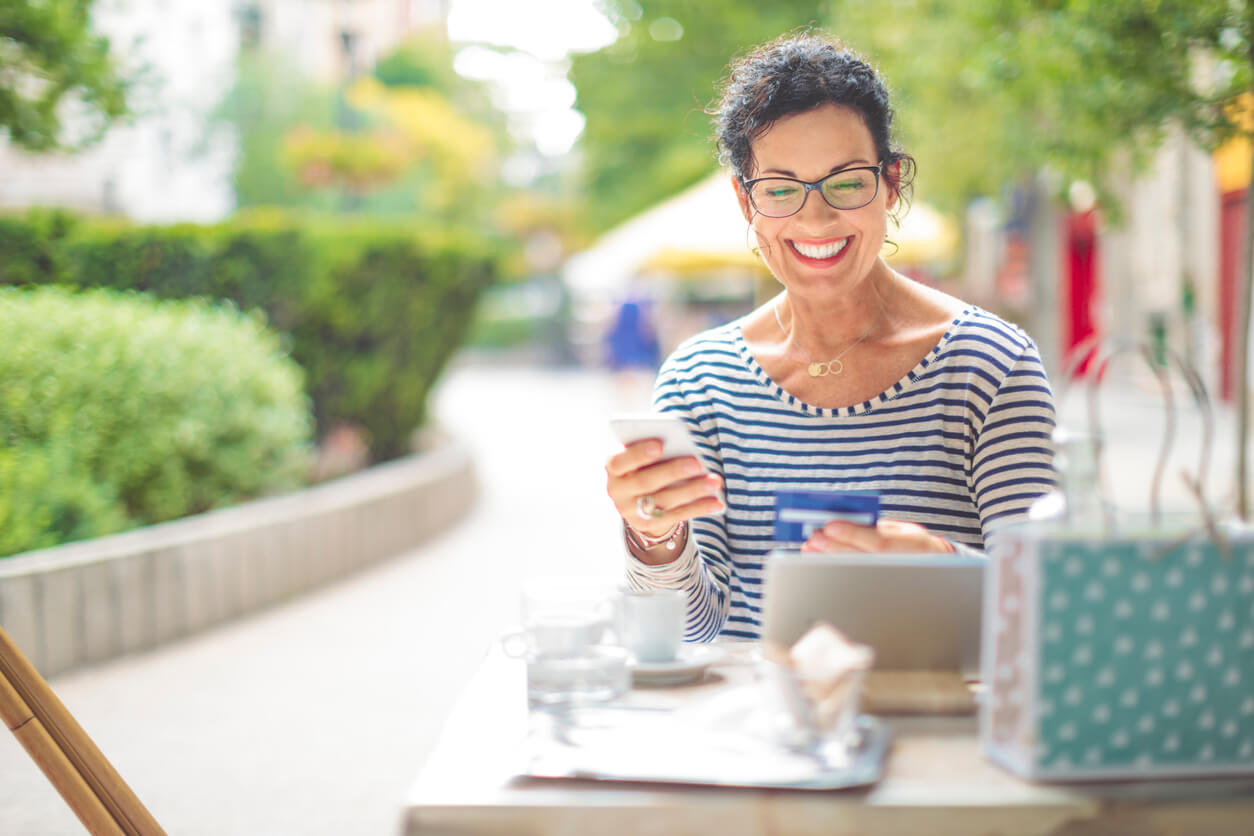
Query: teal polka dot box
(1119, 656)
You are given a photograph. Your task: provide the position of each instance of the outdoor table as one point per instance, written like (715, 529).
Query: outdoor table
(936, 781)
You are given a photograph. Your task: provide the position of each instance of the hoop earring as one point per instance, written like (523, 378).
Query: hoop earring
(888, 242)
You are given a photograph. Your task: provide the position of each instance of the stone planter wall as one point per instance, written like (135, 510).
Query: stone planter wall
(84, 603)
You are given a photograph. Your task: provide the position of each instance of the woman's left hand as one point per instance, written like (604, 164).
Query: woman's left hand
(886, 536)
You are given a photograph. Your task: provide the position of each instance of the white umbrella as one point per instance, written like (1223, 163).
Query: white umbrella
(704, 219)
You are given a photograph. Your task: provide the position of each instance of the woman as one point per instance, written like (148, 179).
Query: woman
(853, 378)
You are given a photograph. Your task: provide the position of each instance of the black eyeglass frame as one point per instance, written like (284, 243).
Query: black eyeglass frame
(815, 185)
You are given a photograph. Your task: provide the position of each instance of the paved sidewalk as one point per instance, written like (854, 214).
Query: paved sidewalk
(313, 717)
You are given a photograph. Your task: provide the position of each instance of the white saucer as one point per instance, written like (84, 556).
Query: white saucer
(690, 665)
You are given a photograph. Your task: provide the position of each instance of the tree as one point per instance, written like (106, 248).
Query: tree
(268, 100)
(989, 90)
(410, 130)
(948, 115)
(456, 136)
(1072, 84)
(425, 61)
(645, 96)
(50, 62)
(409, 137)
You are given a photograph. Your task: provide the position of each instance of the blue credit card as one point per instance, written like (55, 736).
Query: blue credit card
(798, 514)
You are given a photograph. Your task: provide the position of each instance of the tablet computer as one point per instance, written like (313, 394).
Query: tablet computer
(918, 611)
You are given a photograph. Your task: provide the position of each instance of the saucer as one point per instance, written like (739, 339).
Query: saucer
(689, 666)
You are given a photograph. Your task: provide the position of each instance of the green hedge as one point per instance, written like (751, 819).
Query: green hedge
(371, 311)
(117, 410)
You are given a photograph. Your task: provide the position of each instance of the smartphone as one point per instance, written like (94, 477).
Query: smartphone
(676, 440)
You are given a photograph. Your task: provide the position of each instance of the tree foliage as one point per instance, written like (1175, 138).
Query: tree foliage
(989, 90)
(269, 99)
(407, 126)
(53, 65)
(411, 137)
(645, 96)
(356, 162)
(425, 61)
(455, 155)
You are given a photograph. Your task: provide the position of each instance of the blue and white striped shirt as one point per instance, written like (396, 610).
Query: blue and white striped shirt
(960, 445)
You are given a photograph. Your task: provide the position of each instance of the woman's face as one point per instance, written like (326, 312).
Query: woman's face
(820, 251)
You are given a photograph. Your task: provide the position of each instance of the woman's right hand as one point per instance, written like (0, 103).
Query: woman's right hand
(679, 488)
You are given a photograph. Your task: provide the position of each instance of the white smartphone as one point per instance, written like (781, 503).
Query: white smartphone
(672, 431)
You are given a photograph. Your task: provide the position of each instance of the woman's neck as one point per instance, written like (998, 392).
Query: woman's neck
(822, 329)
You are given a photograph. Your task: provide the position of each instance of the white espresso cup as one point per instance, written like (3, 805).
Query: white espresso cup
(651, 623)
(562, 617)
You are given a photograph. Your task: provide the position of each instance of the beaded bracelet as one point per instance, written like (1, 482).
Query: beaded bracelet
(644, 542)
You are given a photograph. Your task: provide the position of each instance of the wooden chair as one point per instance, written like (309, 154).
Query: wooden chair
(86, 780)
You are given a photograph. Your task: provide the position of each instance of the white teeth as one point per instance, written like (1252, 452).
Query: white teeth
(825, 251)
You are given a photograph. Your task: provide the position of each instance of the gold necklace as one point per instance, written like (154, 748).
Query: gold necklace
(833, 366)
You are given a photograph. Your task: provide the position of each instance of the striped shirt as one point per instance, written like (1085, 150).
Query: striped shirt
(960, 445)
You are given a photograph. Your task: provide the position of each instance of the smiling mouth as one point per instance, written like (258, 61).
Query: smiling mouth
(821, 251)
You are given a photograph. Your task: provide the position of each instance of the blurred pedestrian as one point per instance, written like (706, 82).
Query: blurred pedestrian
(633, 352)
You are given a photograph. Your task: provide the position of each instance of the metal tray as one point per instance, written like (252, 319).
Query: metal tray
(627, 743)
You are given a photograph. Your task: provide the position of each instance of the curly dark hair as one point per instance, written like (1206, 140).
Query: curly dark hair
(797, 73)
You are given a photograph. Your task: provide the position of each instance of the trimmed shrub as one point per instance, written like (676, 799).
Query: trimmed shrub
(46, 498)
(31, 247)
(380, 321)
(371, 311)
(118, 410)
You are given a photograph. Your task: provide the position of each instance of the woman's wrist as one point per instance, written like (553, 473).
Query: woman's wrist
(656, 550)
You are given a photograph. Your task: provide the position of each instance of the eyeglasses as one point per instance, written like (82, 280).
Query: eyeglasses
(849, 188)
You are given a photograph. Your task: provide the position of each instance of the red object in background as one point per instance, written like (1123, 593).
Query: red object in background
(1080, 293)
(1231, 234)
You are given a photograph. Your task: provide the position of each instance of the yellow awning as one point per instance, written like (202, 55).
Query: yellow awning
(925, 237)
(1232, 164)
(698, 262)
(1232, 159)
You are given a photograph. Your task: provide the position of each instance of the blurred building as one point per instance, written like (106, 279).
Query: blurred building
(1065, 271)
(172, 162)
(1158, 267)
(331, 40)
(1232, 174)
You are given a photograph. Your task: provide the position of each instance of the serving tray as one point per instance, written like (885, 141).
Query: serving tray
(627, 743)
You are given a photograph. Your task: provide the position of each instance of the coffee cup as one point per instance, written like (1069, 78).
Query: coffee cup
(562, 617)
(651, 623)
